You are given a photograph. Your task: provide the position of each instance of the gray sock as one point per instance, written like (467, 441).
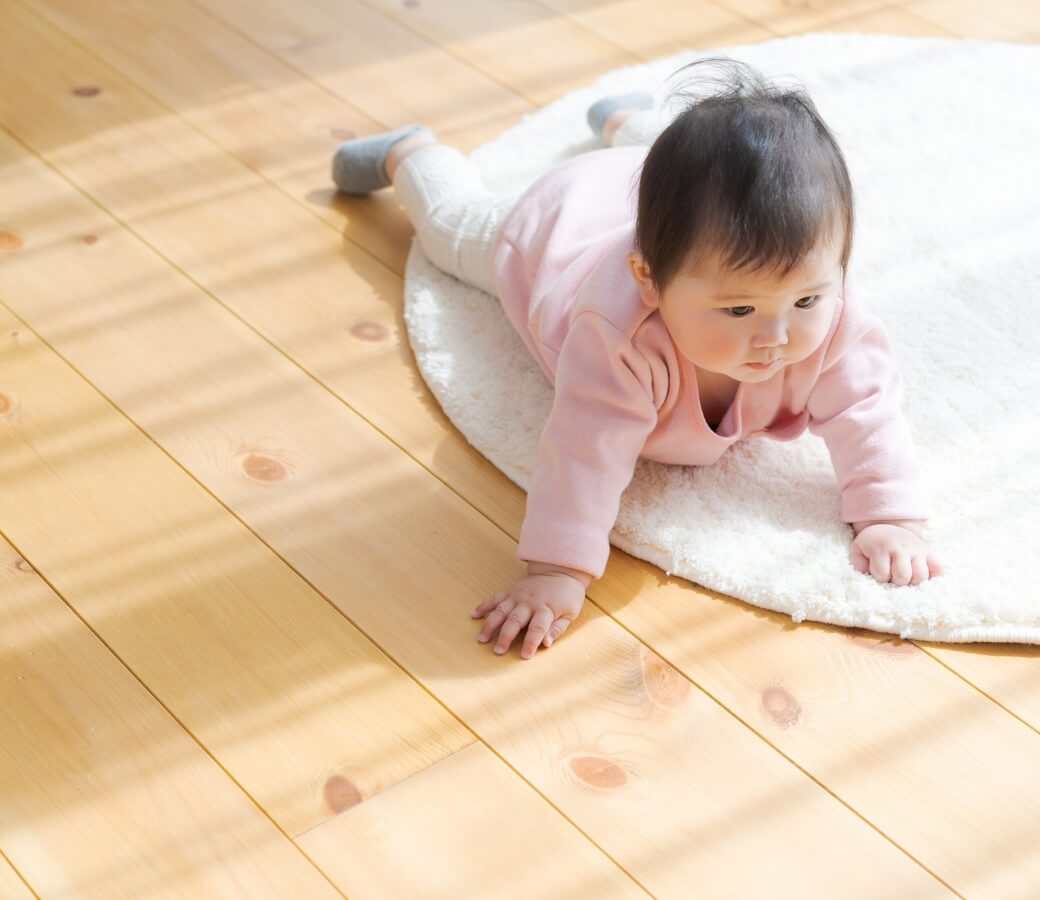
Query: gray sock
(600, 111)
(357, 165)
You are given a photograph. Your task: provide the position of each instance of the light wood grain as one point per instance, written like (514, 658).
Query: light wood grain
(519, 44)
(387, 70)
(897, 20)
(650, 29)
(104, 794)
(1007, 673)
(1008, 20)
(453, 849)
(12, 887)
(272, 679)
(258, 108)
(344, 308)
(379, 537)
(787, 17)
(904, 741)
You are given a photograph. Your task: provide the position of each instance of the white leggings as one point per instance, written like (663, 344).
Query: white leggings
(456, 217)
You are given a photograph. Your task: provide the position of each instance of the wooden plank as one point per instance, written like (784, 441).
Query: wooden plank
(363, 848)
(291, 699)
(888, 21)
(1008, 673)
(104, 793)
(277, 121)
(346, 308)
(651, 29)
(383, 68)
(256, 646)
(1009, 20)
(12, 887)
(788, 17)
(206, 573)
(521, 44)
(650, 768)
(907, 743)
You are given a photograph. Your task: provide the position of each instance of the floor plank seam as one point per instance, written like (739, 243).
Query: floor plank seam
(54, 589)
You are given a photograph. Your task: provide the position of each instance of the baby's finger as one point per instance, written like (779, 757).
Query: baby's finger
(902, 571)
(934, 566)
(540, 623)
(486, 604)
(555, 630)
(859, 560)
(920, 568)
(880, 566)
(516, 620)
(495, 618)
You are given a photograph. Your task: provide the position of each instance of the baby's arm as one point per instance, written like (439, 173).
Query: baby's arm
(540, 568)
(603, 411)
(855, 406)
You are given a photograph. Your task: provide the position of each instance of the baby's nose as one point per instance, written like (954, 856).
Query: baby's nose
(771, 335)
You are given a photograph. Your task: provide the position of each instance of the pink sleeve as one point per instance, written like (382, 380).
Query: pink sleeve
(602, 413)
(855, 408)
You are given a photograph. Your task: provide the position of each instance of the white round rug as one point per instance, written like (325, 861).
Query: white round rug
(941, 137)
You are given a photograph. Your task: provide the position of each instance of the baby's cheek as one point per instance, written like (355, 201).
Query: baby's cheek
(712, 347)
(733, 348)
(716, 343)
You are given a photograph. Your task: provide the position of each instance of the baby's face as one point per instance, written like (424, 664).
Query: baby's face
(781, 319)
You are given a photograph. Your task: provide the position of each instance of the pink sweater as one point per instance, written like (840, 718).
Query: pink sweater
(622, 390)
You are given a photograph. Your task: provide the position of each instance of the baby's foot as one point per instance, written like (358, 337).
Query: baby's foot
(607, 113)
(362, 165)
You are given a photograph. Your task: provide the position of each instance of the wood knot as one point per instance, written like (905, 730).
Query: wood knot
(8, 404)
(410, 4)
(90, 239)
(263, 468)
(9, 240)
(370, 331)
(342, 134)
(23, 566)
(665, 685)
(781, 706)
(598, 772)
(341, 793)
(87, 90)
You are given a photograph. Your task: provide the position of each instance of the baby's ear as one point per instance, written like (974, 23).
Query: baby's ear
(641, 275)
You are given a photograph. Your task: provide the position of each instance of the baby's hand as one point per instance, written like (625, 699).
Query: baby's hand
(893, 553)
(549, 601)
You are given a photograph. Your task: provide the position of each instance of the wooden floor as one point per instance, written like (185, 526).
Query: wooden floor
(240, 539)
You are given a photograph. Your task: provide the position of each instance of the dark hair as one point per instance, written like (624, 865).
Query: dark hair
(750, 171)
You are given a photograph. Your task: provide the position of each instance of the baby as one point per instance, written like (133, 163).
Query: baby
(680, 298)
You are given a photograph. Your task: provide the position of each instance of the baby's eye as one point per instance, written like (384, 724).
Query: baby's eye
(738, 314)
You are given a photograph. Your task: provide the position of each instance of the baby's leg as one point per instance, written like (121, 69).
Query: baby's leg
(620, 119)
(627, 127)
(454, 215)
